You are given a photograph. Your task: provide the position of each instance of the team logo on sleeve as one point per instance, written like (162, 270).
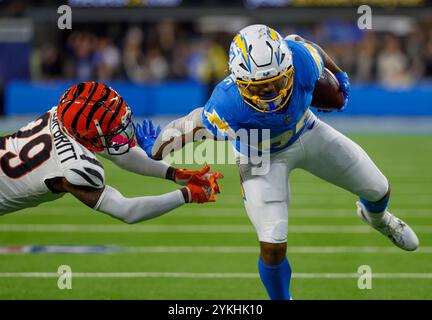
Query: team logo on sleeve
(219, 123)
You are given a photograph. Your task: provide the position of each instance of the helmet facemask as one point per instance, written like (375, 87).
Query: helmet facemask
(117, 141)
(268, 95)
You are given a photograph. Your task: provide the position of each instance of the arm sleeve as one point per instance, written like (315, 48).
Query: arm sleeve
(132, 210)
(137, 161)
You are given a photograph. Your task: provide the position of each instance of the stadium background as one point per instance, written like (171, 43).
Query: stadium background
(164, 57)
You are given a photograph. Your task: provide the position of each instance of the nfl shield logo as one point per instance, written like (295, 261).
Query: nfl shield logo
(287, 119)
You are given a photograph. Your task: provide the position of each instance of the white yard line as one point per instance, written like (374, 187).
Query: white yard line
(150, 228)
(215, 275)
(84, 249)
(327, 213)
(121, 228)
(255, 249)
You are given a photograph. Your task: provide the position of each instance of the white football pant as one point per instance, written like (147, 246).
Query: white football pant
(322, 151)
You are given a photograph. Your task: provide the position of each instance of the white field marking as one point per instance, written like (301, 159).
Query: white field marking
(354, 249)
(241, 213)
(313, 197)
(215, 275)
(322, 213)
(150, 228)
(116, 228)
(296, 213)
(255, 249)
(5, 250)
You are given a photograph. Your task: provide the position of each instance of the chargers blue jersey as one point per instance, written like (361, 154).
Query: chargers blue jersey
(226, 114)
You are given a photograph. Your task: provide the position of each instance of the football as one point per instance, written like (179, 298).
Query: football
(327, 95)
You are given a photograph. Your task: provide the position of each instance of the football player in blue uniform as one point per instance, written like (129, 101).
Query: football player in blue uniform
(271, 87)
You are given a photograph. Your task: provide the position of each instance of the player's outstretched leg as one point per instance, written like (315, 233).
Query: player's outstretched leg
(335, 158)
(376, 215)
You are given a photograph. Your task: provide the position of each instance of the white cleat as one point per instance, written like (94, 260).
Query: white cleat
(393, 228)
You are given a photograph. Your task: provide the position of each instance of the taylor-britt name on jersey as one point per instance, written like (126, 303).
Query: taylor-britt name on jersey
(64, 147)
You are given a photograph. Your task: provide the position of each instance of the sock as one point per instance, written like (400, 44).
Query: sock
(376, 208)
(276, 279)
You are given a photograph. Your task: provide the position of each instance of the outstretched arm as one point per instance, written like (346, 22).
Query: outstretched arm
(137, 161)
(178, 133)
(131, 210)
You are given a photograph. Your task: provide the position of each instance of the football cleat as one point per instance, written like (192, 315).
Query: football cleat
(392, 227)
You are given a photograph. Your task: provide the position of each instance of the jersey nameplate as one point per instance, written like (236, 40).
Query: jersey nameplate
(65, 149)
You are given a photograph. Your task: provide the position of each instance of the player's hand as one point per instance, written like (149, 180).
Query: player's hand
(212, 178)
(182, 176)
(147, 135)
(203, 189)
(344, 86)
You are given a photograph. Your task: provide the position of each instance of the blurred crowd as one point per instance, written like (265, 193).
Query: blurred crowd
(165, 51)
(172, 51)
(386, 58)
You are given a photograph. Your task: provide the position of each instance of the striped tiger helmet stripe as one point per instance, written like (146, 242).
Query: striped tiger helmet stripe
(86, 102)
(99, 104)
(116, 113)
(77, 115)
(80, 88)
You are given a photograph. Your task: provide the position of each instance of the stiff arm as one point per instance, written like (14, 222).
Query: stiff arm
(180, 132)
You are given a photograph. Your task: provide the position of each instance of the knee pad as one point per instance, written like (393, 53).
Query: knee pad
(376, 187)
(276, 233)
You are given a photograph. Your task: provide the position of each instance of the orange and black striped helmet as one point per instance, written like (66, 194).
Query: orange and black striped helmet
(94, 114)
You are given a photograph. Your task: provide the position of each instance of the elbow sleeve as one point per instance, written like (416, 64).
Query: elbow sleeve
(137, 161)
(132, 210)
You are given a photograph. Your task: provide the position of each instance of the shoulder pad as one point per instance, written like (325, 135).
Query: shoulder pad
(315, 57)
(87, 171)
(293, 37)
(307, 62)
(226, 83)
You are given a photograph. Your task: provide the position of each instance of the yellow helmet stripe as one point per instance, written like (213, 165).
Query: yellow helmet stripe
(273, 34)
(241, 43)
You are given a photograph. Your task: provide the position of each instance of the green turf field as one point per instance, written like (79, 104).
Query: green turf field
(210, 251)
